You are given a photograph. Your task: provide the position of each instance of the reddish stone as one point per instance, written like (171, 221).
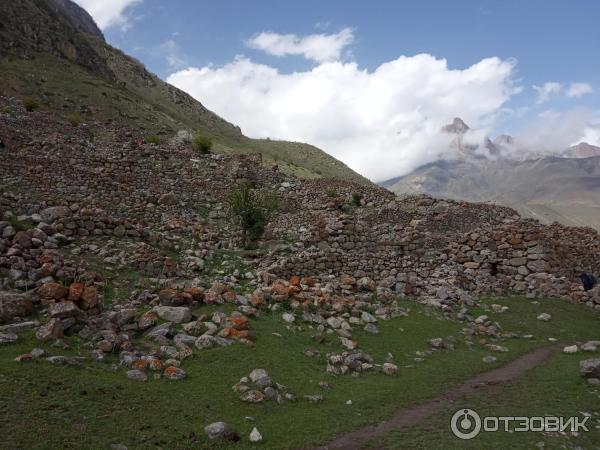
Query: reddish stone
(229, 296)
(238, 322)
(232, 333)
(172, 297)
(294, 290)
(196, 293)
(219, 288)
(154, 363)
(52, 330)
(89, 298)
(54, 291)
(295, 280)
(308, 281)
(75, 291)
(147, 320)
(139, 364)
(64, 309)
(279, 288)
(257, 299)
(348, 280)
(48, 269)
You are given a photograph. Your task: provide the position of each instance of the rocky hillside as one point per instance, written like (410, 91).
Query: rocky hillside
(563, 188)
(51, 50)
(160, 210)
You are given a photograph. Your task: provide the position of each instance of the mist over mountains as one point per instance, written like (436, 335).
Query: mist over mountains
(563, 186)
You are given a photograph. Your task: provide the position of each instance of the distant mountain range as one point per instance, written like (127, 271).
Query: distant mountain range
(563, 188)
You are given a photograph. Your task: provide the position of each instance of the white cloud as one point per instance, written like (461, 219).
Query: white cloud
(546, 90)
(108, 13)
(382, 123)
(554, 131)
(577, 90)
(316, 47)
(172, 53)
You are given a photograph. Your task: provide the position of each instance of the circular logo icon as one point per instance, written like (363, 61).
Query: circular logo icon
(465, 424)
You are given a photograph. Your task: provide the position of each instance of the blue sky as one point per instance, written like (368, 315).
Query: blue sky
(550, 44)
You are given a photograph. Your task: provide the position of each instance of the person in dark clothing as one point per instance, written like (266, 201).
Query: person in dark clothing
(588, 281)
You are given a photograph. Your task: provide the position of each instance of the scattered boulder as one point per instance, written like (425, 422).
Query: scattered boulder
(174, 373)
(14, 304)
(136, 375)
(8, 338)
(590, 368)
(221, 430)
(390, 369)
(175, 314)
(51, 330)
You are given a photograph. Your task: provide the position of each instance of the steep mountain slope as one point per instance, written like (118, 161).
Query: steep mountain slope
(564, 189)
(53, 51)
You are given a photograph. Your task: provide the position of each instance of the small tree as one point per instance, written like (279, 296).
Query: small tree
(202, 144)
(153, 139)
(331, 192)
(252, 211)
(74, 119)
(30, 104)
(356, 199)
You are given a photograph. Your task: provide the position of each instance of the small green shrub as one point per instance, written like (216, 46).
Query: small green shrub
(30, 104)
(356, 199)
(252, 211)
(74, 119)
(331, 193)
(153, 139)
(202, 144)
(7, 110)
(20, 225)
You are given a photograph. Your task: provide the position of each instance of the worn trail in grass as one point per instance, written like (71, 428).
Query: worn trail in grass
(93, 406)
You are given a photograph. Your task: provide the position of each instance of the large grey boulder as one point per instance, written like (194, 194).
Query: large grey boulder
(221, 430)
(14, 304)
(590, 368)
(54, 213)
(175, 314)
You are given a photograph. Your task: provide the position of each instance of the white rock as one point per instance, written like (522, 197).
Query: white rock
(590, 346)
(570, 349)
(289, 318)
(544, 316)
(257, 374)
(255, 435)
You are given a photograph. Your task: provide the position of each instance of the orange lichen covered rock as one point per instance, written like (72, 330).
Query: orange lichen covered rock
(196, 293)
(75, 291)
(232, 333)
(53, 291)
(89, 298)
(229, 296)
(237, 322)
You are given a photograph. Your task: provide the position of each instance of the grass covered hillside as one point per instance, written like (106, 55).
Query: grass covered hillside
(57, 59)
